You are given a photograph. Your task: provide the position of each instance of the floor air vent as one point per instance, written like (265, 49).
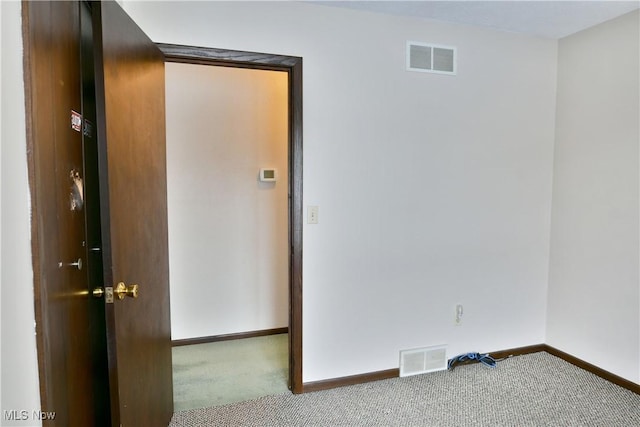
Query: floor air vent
(423, 360)
(430, 58)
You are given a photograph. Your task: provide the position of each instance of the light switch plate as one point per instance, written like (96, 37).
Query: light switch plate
(312, 215)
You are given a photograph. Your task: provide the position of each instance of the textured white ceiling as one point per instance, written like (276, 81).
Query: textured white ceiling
(550, 19)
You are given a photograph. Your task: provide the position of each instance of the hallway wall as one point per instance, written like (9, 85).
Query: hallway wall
(19, 386)
(228, 232)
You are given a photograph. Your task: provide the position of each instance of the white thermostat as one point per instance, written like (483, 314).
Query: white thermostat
(267, 175)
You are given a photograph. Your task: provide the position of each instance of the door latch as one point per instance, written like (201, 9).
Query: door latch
(106, 292)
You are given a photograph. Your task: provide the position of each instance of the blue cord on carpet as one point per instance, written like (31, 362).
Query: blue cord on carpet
(485, 359)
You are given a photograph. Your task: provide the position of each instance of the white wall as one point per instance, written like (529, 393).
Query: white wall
(594, 287)
(19, 372)
(228, 232)
(433, 190)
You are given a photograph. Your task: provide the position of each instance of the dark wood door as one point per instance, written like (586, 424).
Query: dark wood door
(96, 116)
(132, 163)
(69, 321)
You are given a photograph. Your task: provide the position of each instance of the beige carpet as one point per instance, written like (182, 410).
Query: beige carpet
(531, 390)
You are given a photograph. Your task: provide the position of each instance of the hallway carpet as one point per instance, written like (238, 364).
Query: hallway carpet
(225, 372)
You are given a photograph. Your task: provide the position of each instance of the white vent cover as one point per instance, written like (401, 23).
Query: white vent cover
(423, 360)
(430, 58)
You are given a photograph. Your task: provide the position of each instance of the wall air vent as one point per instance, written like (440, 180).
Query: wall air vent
(423, 360)
(430, 58)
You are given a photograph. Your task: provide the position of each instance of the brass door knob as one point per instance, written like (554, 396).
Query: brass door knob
(123, 290)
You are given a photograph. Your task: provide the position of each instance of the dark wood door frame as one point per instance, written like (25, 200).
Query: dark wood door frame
(293, 67)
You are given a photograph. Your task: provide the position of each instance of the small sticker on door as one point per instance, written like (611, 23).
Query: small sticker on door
(76, 121)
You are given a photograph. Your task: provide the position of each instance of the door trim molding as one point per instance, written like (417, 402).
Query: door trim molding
(292, 65)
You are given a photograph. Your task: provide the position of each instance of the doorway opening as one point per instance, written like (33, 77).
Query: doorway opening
(291, 180)
(226, 128)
